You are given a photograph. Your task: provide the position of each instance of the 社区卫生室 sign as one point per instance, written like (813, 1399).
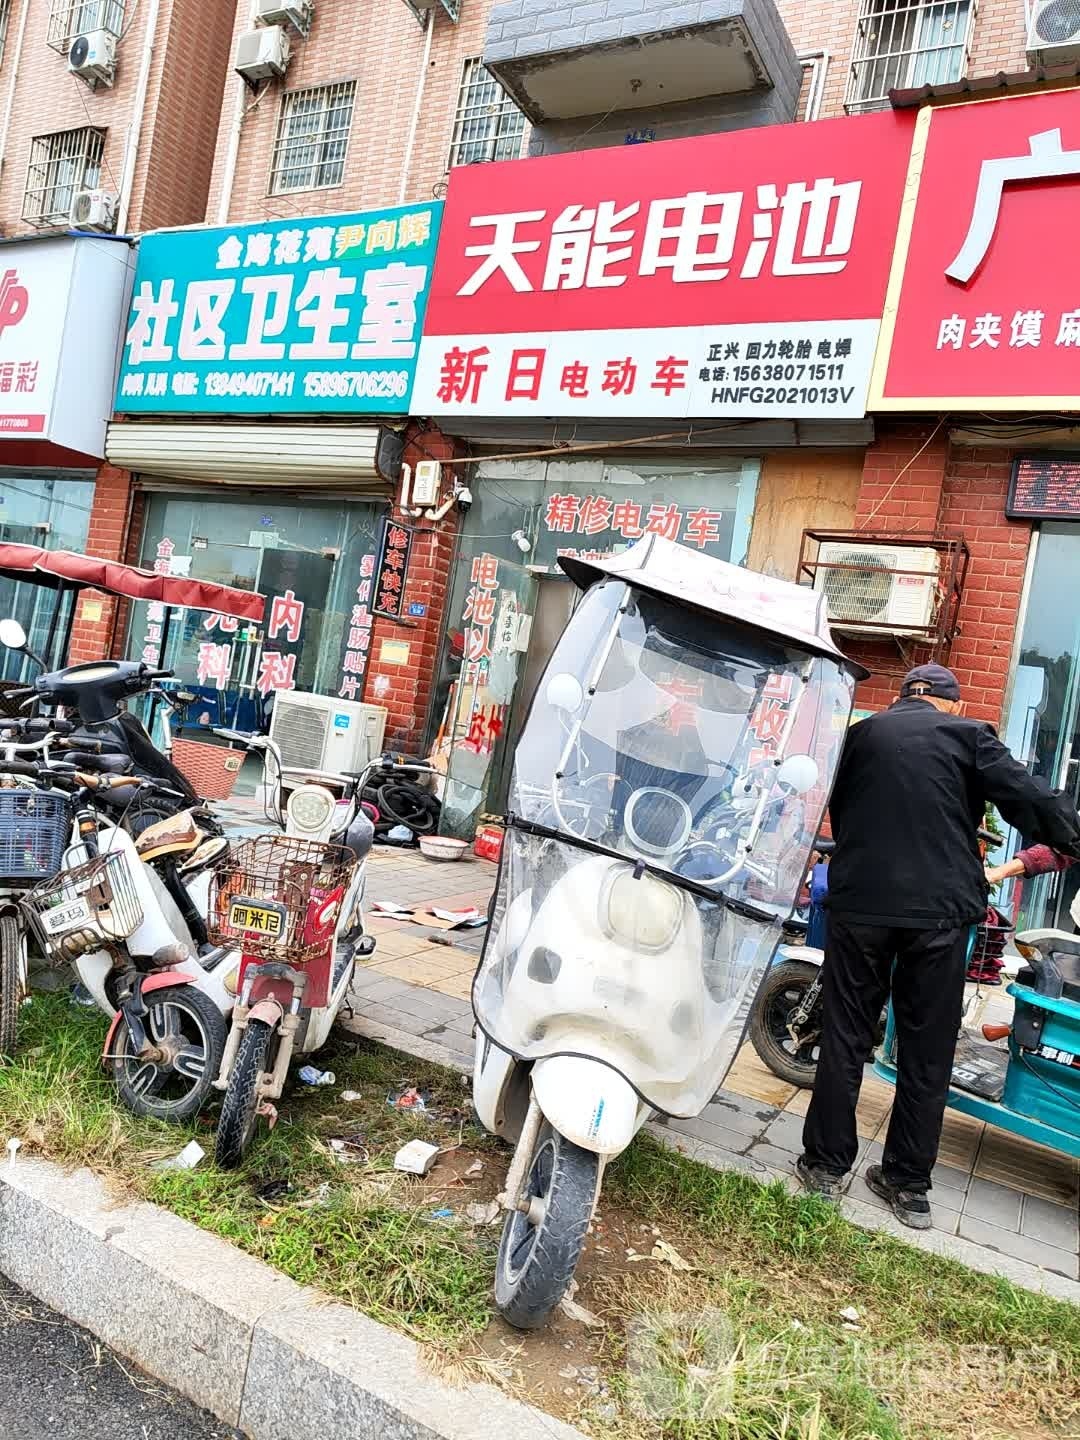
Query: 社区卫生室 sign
(302, 316)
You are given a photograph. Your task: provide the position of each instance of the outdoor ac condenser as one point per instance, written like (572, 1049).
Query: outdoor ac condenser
(1053, 36)
(869, 597)
(319, 732)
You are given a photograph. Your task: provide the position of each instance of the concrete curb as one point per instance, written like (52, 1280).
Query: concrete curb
(260, 1352)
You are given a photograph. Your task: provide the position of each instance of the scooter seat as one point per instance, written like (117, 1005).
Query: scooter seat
(1057, 964)
(174, 835)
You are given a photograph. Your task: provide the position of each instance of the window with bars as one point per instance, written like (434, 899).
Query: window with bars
(60, 166)
(900, 44)
(488, 125)
(70, 18)
(312, 138)
(5, 11)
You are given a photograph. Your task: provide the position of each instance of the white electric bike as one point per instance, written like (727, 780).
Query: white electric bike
(667, 789)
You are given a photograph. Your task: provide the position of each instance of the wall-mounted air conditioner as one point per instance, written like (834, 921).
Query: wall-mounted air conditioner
(92, 57)
(865, 594)
(262, 54)
(319, 732)
(1053, 36)
(94, 210)
(297, 13)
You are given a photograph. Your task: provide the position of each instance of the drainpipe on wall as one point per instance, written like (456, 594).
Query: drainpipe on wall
(10, 100)
(232, 154)
(817, 62)
(135, 125)
(418, 105)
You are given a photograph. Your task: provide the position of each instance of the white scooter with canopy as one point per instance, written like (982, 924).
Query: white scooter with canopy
(667, 790)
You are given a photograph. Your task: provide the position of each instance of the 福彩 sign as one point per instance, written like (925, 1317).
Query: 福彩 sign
(730, 275)
(56, 369)
(303, 316)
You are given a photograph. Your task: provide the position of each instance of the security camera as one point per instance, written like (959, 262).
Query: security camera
(464, 497)
(522, 541)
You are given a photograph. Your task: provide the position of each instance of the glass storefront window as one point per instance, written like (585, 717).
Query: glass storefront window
(1043, 727)
(54, 513)
(505, 608)
(307, 560)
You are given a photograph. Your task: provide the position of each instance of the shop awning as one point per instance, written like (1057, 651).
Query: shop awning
(360, 459)
(66, 569)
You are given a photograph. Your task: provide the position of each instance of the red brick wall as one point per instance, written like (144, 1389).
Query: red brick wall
(180, 124)
(976, 485)
(405, 690)
(913, 480)
(107, 537)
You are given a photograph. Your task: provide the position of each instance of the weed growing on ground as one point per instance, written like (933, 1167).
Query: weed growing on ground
(749, 1343)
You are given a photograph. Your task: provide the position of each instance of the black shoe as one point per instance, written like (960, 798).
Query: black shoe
(910, 1207)
(819, 1181)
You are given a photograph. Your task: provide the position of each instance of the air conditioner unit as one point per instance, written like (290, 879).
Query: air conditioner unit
(93, 57)
(262, 54)
(94, 210)
(297, 13)
(1054, 31)
(320, 732)
(865, 594)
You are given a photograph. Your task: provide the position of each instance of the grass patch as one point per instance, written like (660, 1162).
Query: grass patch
(750, 1343)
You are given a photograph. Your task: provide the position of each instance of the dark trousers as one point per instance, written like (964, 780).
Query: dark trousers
(927, 996)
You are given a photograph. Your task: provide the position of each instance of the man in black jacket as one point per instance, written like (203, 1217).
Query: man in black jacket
(907, 885)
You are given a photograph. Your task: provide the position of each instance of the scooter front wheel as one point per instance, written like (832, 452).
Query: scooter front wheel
(239, 1111)
(187, 1032)
(12, 980)
(539, 1252)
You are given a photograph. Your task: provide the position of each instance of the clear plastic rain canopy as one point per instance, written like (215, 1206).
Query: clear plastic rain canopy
(667, 788)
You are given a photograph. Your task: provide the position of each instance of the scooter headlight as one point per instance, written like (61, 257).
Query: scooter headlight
(642, 913)
(309, 808)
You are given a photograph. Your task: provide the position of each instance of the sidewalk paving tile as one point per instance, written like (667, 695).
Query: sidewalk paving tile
(1010, 1160)
(417, 969)
(960, 1138)
(1022, 1247)
(1000, 1204)
(726, 1116)
(786, 1133)
(716, 1135)
(749, 1077)
(1054, 1224)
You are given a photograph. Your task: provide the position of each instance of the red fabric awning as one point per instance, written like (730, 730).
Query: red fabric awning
(64, 568)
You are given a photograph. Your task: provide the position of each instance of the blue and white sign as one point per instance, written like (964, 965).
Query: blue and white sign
(304, 316)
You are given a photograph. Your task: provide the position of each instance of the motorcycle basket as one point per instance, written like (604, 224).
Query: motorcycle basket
(34, 828)
(271, 897)
(80, 909)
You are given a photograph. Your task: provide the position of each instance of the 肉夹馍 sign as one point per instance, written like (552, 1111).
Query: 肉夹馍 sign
(727, 275)
(304, 316)
(984, 310)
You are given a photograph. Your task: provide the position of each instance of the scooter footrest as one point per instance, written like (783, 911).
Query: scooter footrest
(979, 1068)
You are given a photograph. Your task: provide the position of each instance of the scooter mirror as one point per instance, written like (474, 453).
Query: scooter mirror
(798, 773)
(12, 635)
(564, 692)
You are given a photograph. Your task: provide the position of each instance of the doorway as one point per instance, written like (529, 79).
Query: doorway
(1043, 724)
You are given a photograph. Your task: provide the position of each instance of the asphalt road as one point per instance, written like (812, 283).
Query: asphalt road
(59, 1383)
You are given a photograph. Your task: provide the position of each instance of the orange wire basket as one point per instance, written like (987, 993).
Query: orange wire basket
(274, 897)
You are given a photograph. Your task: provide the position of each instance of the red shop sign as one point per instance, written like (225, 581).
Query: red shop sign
(648, 280)
(391, 569)
(983, 307)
